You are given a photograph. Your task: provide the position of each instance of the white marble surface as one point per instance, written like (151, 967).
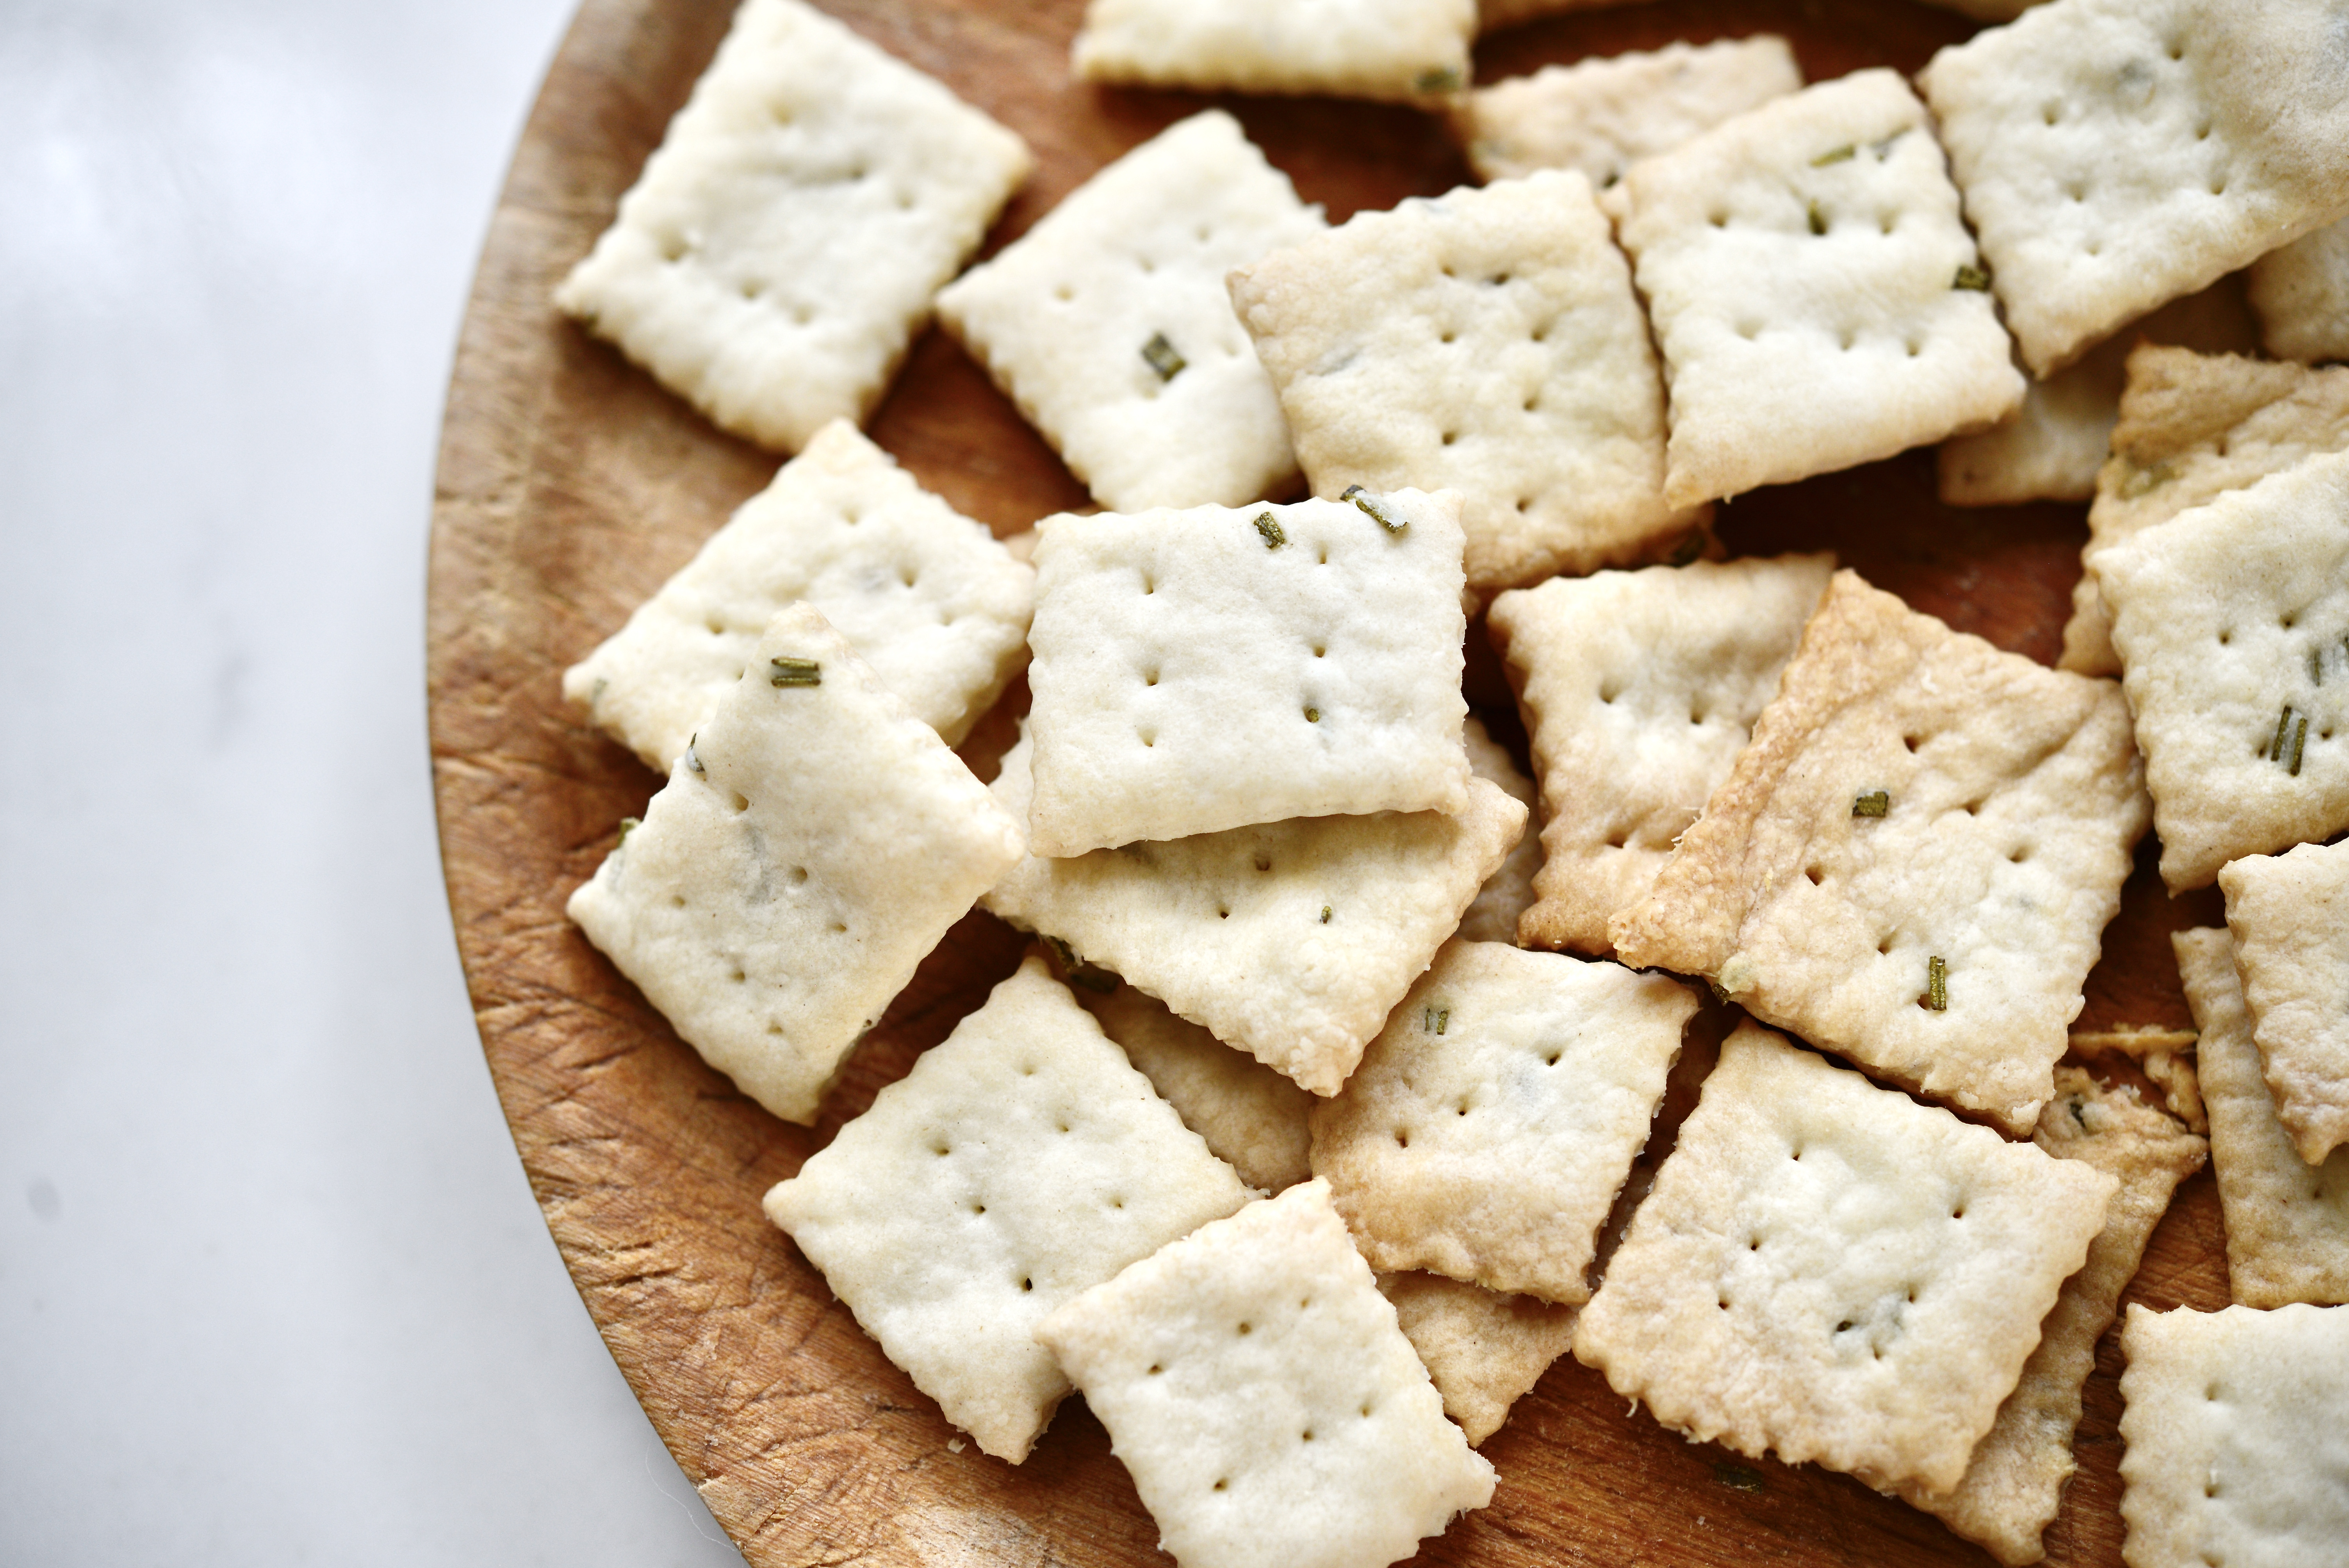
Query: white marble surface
(272, 1287)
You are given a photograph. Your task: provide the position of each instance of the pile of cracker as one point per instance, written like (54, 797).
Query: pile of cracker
(1294, 1144)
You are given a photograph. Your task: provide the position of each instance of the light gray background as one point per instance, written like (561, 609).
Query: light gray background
(272, 1287)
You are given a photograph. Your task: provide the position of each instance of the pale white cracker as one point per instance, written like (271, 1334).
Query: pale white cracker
(2236, 1452)
(2301, 293)
(1482, 1351)
(1490, 1124)
(2119, 153)
(2289, 914)
(1640, 689)
(2016, 1480)
(1807, 277)
(1508, 892)
(2011, 798)
(1019, 1164)
(1601, 115)
(1486, 342)
(1289, 940)
(808, 850)
(2232, 624)
(2287, 1221)
(1108, 324)
(924, 596)
(1272, 1415)
(1213, 667)
(1250, 1115)
(785, 240)
(1399, 50)
(1830, 1272)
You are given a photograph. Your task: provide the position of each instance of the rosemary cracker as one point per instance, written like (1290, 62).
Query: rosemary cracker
(1251, 1117)
(1814, 295)
(1830, 1272)
(1913, 862)
(1108, 324)
(1393, 50)
(1020, 1163)
(2289, 915)
(808, 850)
(1486, 342)
(1639, 689)
(2301, 293)
(1211, 668)
(773, 259)
(1490, 1124)
(1509, 891)
(1256, 1385)
(1482, 1351)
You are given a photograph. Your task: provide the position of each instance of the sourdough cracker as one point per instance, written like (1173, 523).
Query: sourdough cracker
(1403, 50)
(1251, 1117)
(2289, 915)
(1484, 1352)
(2301, 293)
(1508, 892)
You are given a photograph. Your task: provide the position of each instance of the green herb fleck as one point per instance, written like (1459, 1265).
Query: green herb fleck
(1818, 219)
(1692, 545)
(1163, 358)
(1312, 715)
(1268, 526)
(628, 825)
(1937, 984)
(1443, 79)
(2291, 738)
(1325, 914)
(789, 672)
(1884, 149)
(1970, 276)
(1062, 950)
(2282, 734)
(1434, 1018)
(1738, 1478)
(1875, 803)
(692, 758)
(1837, 155)
(1377, 510)
(1719, 991)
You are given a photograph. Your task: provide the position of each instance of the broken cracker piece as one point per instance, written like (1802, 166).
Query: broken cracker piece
(2301, 293)
(2164, 1056)
(1482, 1351)
(2290, 917)
(1509, 891)
(1250, 1115)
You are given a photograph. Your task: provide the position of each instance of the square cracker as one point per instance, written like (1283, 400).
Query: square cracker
(1601, 115)
(2012, 799)
(1488, 342)
(2235, 1452)
(1482, 1351)
(1272, 1415)
(1210, 668)
(1508, 892)
(924, 596)
(2232, 624)
(1402, 50)
(808, 850)
(1289, 940)
(1019, 1164)
(785, 238)
(1250, 1115)
(2289, 914)
(1639, 689)
(1805, 269)
(1834, 1273)
(2191, 427)
(2016, 1480)
(2287, 1221)
(1490, 1124)
(2301, 293)
(1131, 264)
(2119, 153)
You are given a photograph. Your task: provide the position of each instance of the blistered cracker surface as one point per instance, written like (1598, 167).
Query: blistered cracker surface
(1508, 892)
(2013, 801)
(1392, 50)
(2289, 914)
(1019, 1163)
(2119, 153)
(784, 240)
(1255, 1384)
(808, 852)
(1830, 1272)
(1250, 1115)
(2301, 293)
(1484, 1351)
(1639, 689)
(1136, 255)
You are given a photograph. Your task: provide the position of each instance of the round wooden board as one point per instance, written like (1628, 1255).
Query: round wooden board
(570, 487)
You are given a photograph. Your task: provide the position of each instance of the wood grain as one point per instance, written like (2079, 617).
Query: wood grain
(570, 487)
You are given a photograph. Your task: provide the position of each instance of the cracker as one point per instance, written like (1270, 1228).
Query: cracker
(1488, 342)
(2164, 1056)
(1484, 1352)
(1108, 324)
(2232, 624)
(1401, 50)
(780, 247)
(2191, 427)
(1802, 264)
(1216, 668)
(1601, 115)
(1508, 892)
(1833, 1272)
(2287, 1221)
(1019, 1164)
(1289, 940)
(2119, 153)
(2290, 917)
(2016, 1478)
(1250, 1115)
(2232, 1420)
(1255, 1384)
(808, 850)
(1639, 688)
(2011, 798)
(1490, 1124)
(923, 593)
(2301, 293)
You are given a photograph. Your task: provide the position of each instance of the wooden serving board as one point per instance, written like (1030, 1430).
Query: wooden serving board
(570, 487)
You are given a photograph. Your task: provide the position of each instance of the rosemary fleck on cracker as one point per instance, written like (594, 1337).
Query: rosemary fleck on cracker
(1482, 1351)
(2289, 914)
(1251, 1117)
(2301, 293)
